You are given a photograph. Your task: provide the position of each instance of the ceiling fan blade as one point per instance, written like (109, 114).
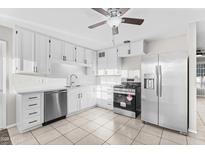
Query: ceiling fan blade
(123, 11)
(115, 30)
(101, 11)
(133, 21)
(97, 24)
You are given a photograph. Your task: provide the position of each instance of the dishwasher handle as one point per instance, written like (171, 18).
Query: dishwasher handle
(56, 91)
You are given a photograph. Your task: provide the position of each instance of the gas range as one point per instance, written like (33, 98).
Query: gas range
(127, 99)
(127, 87)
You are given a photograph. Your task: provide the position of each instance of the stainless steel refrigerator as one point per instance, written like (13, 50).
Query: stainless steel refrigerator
(165, 90)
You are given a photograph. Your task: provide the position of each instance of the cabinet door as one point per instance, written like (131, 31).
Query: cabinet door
(88, 97)
(73, 101)
(25, 50)
(112, 59)
(124, 50)
(56, 49)
(84, 98)
(137, 48)
(94, 63)
(102, 62)
(88, 56)
(80, 55)
(69, 52)
(41, 53)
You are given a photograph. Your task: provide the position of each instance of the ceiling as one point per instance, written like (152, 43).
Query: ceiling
(159, 23)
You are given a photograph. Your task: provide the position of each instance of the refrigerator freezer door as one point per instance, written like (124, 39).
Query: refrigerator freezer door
(149, 88)
(173, 90)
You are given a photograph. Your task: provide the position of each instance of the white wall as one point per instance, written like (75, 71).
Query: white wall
(178, 43)
(6, 35)
(131, 63)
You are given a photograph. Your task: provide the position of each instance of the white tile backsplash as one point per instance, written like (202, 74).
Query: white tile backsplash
(58, 77)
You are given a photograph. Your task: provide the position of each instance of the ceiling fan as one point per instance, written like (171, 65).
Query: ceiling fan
(114, 18)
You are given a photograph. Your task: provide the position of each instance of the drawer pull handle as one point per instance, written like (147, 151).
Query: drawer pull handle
(32, 104)
(33, 113)
(32, 121)
(32, 97)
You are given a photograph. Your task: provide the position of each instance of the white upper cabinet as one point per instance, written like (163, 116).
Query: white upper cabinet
(41, 53)
(56, 49)
(69, 52)
(80, 55)
(108, 62)
(131, 49)
(102, 60)
(94, 63)
(113, 61)
(24, 50)
(88, 56)
(34, 52)
(124, 50)
(137, 48)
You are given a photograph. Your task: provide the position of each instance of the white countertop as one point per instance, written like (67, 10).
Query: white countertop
(39, 89)
(45, 88)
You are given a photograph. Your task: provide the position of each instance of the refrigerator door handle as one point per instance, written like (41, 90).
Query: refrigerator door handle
(157, 80)
(160, 80)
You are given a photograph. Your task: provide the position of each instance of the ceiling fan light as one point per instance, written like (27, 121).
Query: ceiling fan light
(114, 21)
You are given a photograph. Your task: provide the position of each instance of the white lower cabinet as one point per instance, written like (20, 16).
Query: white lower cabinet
(29, 111)
(73, 100)
(105, 97)
(80, 98)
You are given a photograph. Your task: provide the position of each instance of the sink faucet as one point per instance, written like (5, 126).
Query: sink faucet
(71, 79)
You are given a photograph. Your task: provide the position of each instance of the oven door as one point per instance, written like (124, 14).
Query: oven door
(126, 101)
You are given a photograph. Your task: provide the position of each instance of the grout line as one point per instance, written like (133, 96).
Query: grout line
(35, 138)
(161, 136)
(173, 132)
(187, 140)
(63, 135)
(138, 135)
(201, 118)
(116, 132)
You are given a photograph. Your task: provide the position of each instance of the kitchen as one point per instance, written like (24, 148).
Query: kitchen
(81, 95)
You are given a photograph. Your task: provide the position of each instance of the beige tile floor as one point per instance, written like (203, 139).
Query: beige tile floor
(99, 126)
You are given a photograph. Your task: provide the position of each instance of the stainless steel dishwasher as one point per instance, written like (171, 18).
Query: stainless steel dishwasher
(55, 106)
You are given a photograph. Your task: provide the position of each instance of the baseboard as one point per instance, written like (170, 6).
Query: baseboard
(77, 112)
(10, 126)
(192, 131)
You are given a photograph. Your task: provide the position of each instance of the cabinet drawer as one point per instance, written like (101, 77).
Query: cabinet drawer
(31, 122)
(31, 104)
(31, 97)
(31, 113)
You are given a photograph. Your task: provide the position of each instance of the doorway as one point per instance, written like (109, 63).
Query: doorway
(2, 84)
